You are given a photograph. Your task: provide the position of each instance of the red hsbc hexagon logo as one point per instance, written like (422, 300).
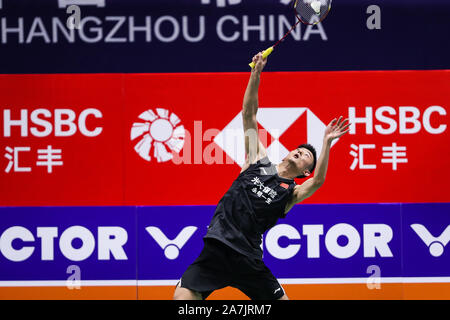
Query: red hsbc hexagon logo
(287, 127)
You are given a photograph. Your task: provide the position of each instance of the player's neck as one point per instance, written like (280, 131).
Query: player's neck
(285, 170)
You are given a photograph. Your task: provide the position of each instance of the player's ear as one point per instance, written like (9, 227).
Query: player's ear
(306, 173)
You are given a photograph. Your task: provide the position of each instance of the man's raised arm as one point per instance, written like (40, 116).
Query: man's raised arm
(336, 129)
(254, 150)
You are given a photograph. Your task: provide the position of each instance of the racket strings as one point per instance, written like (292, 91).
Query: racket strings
(309, 12)
(312, 11)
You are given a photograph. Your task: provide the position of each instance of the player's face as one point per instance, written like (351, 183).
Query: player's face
(302, 158)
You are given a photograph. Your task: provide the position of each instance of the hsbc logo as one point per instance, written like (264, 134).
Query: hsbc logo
(285, 126)
(401, 119)
(159, 134)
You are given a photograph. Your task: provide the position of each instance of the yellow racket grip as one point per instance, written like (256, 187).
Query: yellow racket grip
(265, 54)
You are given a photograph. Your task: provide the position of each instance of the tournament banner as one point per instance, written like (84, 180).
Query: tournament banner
(177, 139)
(356, 251)
(41, 243)
(68, 253)
(63, 133)
(346, 251)
(133, 36)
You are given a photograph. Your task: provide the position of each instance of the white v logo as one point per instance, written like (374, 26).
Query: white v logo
(436, 245)
(171, 247)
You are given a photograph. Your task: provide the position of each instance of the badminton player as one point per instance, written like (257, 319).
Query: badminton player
(261, 194)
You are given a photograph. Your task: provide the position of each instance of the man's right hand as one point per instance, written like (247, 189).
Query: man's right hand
(260, 62)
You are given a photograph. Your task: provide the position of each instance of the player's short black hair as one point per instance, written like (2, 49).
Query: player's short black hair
(313, 151)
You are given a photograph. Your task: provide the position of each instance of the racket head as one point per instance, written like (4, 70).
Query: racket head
(312, 12)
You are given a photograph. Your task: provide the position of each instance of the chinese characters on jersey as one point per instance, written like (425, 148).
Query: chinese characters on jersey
(262, 191)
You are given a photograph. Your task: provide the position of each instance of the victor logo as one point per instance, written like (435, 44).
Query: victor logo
(436, 245)
(171, 247)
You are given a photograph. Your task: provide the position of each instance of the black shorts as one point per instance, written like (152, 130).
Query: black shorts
(219, 266)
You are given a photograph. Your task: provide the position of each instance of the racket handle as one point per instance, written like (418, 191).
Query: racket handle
(265, 54)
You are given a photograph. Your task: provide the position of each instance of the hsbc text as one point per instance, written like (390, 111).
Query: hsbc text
(405, 119)
(65, 122)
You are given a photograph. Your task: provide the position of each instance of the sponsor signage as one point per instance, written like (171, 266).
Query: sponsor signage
(177, 139)
(158, 243)
(53, 243)
(192, 36)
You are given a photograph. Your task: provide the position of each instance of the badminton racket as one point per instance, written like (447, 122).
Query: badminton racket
(309, 12)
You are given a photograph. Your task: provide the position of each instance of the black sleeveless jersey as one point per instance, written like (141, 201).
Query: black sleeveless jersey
(252, 205)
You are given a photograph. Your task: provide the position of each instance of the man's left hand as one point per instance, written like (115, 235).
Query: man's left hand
(336, 129)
